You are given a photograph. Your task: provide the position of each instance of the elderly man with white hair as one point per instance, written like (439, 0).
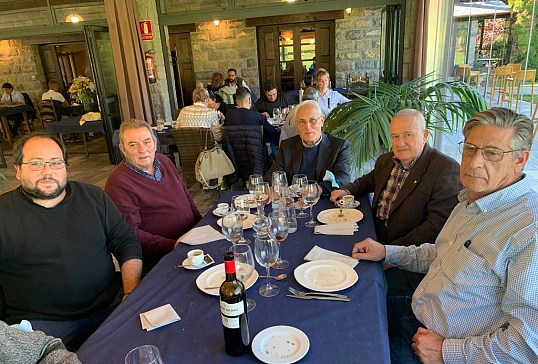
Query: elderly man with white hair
(313, 152)
(415, 188)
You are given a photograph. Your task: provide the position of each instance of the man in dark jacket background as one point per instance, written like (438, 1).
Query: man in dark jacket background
(415, 188)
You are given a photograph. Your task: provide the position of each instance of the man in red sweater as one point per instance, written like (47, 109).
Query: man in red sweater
(148, 190)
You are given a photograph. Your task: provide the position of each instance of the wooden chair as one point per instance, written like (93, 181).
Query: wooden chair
(358, 86)
(515, 67)
(464, 71)
(517, 82)
(190, 142)
(46, 112)
(32, 116)
(499, 82)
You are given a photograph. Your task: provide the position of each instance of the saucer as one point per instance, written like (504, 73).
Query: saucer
(186, 265)
(355, 205)
(220, 213)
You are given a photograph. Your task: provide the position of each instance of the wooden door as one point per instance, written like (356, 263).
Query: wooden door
(268, 54)
(185, 79)
(325, 49)
(51, 66)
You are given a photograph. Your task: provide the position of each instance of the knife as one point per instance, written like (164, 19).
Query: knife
(319, 298)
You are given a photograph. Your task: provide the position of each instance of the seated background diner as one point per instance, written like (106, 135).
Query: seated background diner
(327, 97)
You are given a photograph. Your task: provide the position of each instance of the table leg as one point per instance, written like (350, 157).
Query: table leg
(7, 130)
(26, 121)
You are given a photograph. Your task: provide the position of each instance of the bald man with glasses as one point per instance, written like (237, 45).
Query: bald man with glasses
(313, 152)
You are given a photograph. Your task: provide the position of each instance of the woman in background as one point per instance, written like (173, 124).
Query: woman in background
(327, 97)
(217, 81)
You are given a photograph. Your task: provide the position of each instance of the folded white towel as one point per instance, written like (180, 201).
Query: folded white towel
(200, 235)
(91, 116)
(317, 253)
(158, 317)
(339, 228)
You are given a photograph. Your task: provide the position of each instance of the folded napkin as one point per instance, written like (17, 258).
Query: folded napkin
(200, 235)
(24, 326)
(158, 317)
(329, 176)
(317, 253)
(339, 228)
(91, 116)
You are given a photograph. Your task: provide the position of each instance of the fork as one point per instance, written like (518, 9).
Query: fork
(304, 294)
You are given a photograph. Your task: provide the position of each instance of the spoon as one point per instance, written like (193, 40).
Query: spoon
(278, 277)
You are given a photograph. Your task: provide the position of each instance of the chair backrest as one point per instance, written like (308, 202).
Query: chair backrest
(515, 66)
(190, 142)
(359, 86)
(28, 101)
(528, 75)
(47, 111)
(502, 71)
(246, 148)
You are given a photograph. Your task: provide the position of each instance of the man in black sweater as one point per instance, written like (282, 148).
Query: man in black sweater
(272, 99)
(56, 240)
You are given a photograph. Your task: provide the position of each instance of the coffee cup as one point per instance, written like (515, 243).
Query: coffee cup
(348, 200)
(222, 208)
(196, 257)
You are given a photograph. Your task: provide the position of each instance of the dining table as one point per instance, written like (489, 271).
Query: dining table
(7, 110)
(338, 332)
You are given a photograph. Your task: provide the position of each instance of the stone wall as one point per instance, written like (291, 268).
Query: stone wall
(21, 66)
(357, 48)
(230, 45)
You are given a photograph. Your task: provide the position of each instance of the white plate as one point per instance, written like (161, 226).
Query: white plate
(247, 224)
(280, 344)
(214, 277)
(325, 275)
(355, 204)
(331, 216)
(251, 200)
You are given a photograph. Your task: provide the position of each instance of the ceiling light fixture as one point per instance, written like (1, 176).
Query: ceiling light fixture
(216, 22)
(73, 17)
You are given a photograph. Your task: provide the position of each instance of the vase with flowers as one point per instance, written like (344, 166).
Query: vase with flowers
(83, 90)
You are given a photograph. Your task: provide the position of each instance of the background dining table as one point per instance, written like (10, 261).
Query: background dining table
(339, 332)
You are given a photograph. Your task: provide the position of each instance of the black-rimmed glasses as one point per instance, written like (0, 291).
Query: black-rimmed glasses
(40, 165)
(492, 154)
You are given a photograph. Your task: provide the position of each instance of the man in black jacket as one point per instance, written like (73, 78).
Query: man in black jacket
(271, 100)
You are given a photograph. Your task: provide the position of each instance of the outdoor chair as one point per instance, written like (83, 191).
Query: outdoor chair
(517, 82)
(190, 142)
(499, 82)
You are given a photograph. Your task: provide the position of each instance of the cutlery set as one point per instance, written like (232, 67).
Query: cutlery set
(310, 295)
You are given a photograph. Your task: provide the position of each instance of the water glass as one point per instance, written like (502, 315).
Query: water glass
(278, 229)
(232, 227)
(145, 354)
(262, 196)
(288, 208)
(253, 180)
(241, 205)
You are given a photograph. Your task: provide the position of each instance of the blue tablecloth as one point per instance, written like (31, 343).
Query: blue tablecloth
(72, 125)
(339, 332)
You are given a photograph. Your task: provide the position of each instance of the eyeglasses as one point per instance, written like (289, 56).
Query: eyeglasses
(40, 165)
(491, 154)
(311, 121)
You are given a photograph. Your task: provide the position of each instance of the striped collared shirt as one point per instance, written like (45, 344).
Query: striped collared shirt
(481, 290)
(156, 164)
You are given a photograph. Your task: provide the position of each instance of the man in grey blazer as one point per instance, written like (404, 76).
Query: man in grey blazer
(415, 188)
(313, 152)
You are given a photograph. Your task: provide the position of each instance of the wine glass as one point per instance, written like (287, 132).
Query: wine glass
(244, 267)
(280, 186)
(266, 252)
(310, 195)
(278, 229)
(262, 196)
(241, 206)
(297, 183)
(144, 354)
(260, 223)
(253, 180)
(232, 227)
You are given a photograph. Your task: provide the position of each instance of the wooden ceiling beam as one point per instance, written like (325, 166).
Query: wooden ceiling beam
(295, 18)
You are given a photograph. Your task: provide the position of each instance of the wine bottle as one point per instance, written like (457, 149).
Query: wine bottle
(233, 308)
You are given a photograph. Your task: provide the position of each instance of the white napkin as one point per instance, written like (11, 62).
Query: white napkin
(339, 228)
(158, 317)
(200, 235)
(317, 253)
(90, 116)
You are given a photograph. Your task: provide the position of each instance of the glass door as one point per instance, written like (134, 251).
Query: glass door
(297, 57)
(308, 57)
(100, 53)
(287, 52)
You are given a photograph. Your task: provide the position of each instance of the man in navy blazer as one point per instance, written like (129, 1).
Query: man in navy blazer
(313, 152)
(415, 188)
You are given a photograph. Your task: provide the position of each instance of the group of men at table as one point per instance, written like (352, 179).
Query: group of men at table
(11, 96)
(458, 243)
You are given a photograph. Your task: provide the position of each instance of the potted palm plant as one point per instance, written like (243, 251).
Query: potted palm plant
(364, 121)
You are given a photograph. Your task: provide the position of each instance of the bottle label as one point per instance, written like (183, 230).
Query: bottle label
(229, 266)
(230, 322)
(232, 309)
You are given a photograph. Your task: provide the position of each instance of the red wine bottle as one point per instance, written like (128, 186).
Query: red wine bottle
(233, 309)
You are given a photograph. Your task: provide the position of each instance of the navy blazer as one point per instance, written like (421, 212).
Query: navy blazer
(333, 155)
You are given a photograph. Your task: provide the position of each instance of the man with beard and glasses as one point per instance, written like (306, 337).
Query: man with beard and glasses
(56, 241)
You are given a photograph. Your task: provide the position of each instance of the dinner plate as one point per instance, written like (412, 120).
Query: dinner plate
(214, 276)
(280, 344)
(247, 224)
(331, 216)
(251, 200)
(355, 204)
(325, 275)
